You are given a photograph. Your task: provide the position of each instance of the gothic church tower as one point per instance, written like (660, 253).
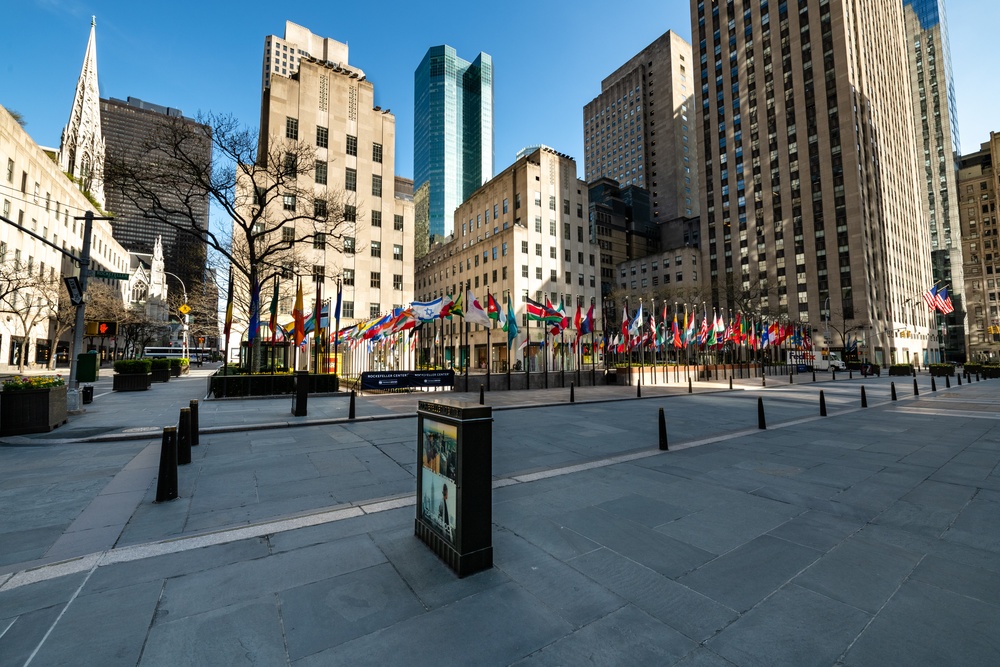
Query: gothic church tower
(81, 149)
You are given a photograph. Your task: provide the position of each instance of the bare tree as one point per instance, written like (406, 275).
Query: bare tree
(276, 198)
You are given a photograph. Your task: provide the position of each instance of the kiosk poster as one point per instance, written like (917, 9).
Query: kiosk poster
(440, 451)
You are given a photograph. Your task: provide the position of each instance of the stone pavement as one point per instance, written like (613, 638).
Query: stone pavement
(866, 537)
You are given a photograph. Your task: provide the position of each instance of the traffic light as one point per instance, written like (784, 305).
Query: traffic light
(107, 328)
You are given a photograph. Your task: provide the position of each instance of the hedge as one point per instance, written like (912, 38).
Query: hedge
(901, 369)
(940, 370)
(230, 386)
(133, 366)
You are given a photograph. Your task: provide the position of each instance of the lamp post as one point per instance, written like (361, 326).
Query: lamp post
(184, 323)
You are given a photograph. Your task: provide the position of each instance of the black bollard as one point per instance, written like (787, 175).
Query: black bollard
(850, 374)
(763, 380)
(689, 386)
(790, 381)
(947, 382)
(822, 404)
(760, 413)
(572, 398)
(814, 375)
(892, 385)
(663, 431)
(864, 398)
(166, 478)
(184, 437)
(730, 384)
(977, 376)
(916, 391)
(933, 384)
(834, 374)
(194, 423)
(351, 406)
(959, 379)
(638, 391)
(482, 395)
(300, 397)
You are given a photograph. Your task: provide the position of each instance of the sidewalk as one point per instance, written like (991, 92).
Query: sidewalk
(868, 537)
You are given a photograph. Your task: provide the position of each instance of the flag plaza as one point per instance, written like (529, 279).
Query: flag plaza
(396, 335)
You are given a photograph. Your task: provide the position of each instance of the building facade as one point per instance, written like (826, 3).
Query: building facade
(936, 124)
(521, 235)
(452, 134)
(37, 195)
(640, 130)
(283, 54)
(620, 226)
(809, 185)
(330, 106)
(670, 276)
(129, 123)
(978, 186)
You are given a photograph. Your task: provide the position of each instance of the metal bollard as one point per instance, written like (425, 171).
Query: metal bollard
(663, 431)
(572, 397)
(850, 374)
(916, 391)
(790, 381)
(814, 376)
(638, 390)
(822, 404)
(933, 384)
(959, 379)
(761, 424)
(730, 384)
(864, 398)
(351, 409)
(947, 382)
(184, 437)
(166, 478)
(892, 385)
(689, 386)
(482, 395)
(763, 380)
(834, 374)
(195, 440)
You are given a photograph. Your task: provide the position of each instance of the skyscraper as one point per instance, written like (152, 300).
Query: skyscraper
(936, 124)
(283, 54)
(125, 125)
(452, 136)
(646, 107)
(809, 185)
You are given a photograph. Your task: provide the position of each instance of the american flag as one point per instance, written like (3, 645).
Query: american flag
(943, 301)
(930, 298)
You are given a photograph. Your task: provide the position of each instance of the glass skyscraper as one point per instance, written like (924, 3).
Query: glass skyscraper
(452, 136)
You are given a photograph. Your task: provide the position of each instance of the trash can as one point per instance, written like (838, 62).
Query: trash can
(86, 367)
(88, 393)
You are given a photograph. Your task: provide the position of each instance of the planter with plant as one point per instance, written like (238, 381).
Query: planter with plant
(132, 375)
(161, 370)
(32, 404)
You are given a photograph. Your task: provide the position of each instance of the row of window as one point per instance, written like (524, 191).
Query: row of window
(323, 139)
(645, 282)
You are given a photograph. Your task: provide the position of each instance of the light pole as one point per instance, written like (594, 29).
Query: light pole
(184, 323)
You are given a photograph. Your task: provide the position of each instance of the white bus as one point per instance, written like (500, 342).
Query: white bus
(195, 355)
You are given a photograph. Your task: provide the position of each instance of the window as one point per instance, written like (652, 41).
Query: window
(397, 281)
(347, 310)
(350, 213)
(566, 231)
(376, 248)
(351, 180)
(504, 205)
(321, 172)
(397, 223)
(288, 202)
(319, 209)
(322, 137)
(318, 271)
(376, 218)
(538, 249)
(376, 186)
(376, 280)
(552, 252)
(373, 309)
(397, 252)
(10, 170)
(352, 145)
(349, 245)
(319, 241)
(292, 128)
(291, 165)
(524, 247)
(377, 153)
(348, 276)
(524, 270)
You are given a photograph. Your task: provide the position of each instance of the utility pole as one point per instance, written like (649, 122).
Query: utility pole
(73, 393)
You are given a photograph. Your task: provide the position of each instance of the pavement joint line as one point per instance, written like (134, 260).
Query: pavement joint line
(59, 617)
(953, 413)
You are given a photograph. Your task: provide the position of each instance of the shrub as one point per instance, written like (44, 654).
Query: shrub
(133, 366)
(160, 364)
(901, 369)
(183, 361)
(177, 362)
(34, 382)
(941, 370)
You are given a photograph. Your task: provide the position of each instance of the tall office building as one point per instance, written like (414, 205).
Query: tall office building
(282, 55)
(452, 135)
(809, 186)
(936, 124)
(978, 185)
(330, 105)
(125, 125)
(641, 129)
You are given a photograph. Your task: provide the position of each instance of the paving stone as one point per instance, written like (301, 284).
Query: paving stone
(20, 635)
(795, 626)
(743, 577)
(643, 510)
(546, 534)
(965, 580)
(722, 528)
(926, 625)
(978, 525)
(817, 530)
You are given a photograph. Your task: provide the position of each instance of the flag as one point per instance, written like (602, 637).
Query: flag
(540, 313)
(229, 306)
(428, 311)
(703, 332)
(254, 311)
(689, 333)
(943, 301)
(340, 301)
(711, 339)
(636, 325)
(587, 325)
(476, 314)
(677, 333)
(298, 315)
(625, 320)
(454, 308)
(578, 321)
(494, 310)
(511, 322)
(930, 297)
(272, 322)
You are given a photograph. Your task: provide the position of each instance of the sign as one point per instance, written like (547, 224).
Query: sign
(110, 275)
(406, 379)
(101, 329)
(185, 309)
(75, 293)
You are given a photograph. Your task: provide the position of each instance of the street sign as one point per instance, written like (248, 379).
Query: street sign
(75, 293)
(110, 275)
(185, 309)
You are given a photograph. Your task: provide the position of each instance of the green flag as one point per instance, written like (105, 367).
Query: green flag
(511, 322)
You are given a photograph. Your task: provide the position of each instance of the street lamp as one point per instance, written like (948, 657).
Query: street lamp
(184, 323)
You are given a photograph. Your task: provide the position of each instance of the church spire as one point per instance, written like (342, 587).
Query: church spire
(81, 149)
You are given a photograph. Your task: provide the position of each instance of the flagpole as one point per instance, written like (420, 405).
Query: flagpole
(468, 350)
(593, 350)
(489, 343)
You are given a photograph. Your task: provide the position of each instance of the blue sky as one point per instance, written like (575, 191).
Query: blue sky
(549, 57)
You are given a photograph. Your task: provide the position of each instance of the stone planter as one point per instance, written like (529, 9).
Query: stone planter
(33, 411)
(131, 381)
(175, 371)
(161, 375)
